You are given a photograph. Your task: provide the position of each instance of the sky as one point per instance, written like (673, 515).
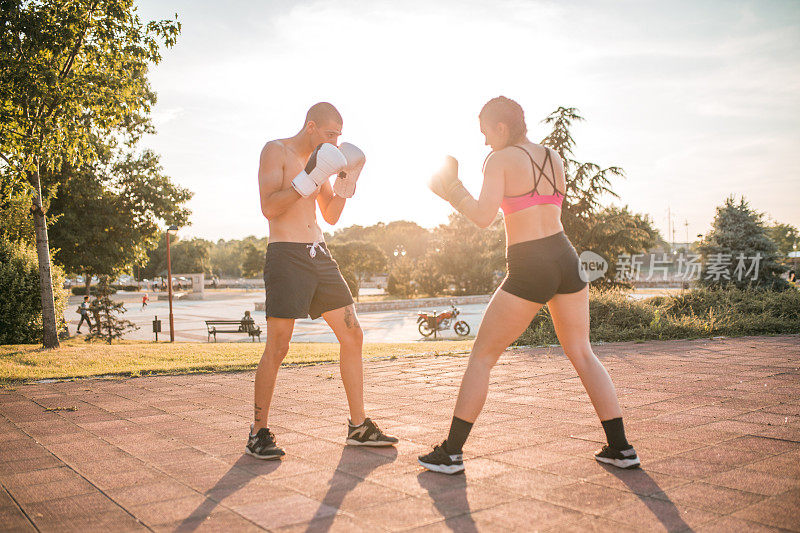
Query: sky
(694, 100)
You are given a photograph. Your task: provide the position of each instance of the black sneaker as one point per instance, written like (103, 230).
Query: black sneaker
(368, 434)
(626, 458)
(262, 445)
(441, 461)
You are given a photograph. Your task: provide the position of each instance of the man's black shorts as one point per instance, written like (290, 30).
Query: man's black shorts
(302, 279)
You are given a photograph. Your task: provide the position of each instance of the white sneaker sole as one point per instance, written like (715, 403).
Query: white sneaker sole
(444, 469)
(354, 442)
(620, 463)
(263, 457)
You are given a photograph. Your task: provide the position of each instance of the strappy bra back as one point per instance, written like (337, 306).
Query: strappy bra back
(511, 204)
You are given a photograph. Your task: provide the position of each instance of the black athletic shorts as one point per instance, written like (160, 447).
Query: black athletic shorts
(540, 268)
(302, 279)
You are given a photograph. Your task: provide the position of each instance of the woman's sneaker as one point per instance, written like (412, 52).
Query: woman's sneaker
(441, 461)
(262, 445)
(626, 458)
(368, 434)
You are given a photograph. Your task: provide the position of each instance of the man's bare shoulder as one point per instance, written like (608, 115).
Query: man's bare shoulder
(274, 147)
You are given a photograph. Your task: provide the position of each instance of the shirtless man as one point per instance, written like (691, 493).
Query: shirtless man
(300, 276)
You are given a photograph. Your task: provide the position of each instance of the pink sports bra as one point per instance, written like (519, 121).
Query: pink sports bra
(511, 204)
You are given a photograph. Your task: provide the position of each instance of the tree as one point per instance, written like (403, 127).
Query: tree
(785, 236)
(430, 276)
(20, 303)
(397, 238)
(110, 215)
(108, 325)
(401, 281)
(253, 261)
(68, 74)
(616, 231)
(586, 182)
(738, 232)
(471, 258)
(608, 231)
(188, 257)
(359, 260)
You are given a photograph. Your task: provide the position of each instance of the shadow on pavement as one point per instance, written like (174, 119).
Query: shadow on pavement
(354, 466)
(239, 475)
(449, 495)
(641, 484)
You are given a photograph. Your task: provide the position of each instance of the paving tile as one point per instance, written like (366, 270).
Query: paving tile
(730, 523)
(709, 497)
(720, 451)
(588, 498)
(767, 484)
(286, 511)
(782, 511)
(525, 515)
(686, 467)
(42, 492)
(188, 508)
(653, 514)
(639, 481)
(219, 521)
(13, 519)
(144, 493)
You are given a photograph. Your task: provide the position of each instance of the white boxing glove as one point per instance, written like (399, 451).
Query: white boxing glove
(325, 161)
(345, 184)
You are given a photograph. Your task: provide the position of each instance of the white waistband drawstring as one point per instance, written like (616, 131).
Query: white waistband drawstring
(312, 248)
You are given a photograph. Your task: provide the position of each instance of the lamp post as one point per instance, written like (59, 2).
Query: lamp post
(171, 229)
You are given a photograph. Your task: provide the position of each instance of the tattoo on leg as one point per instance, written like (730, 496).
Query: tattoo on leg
(258, 413)
(350, 318)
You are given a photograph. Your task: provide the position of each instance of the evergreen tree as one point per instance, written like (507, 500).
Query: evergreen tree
(108, 324)
(739, 235)
(608, 231)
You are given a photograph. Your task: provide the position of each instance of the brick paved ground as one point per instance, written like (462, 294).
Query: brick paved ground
(716, 422)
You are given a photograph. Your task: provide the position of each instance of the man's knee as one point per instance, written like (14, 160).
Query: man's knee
(352, 336)
(277, 348)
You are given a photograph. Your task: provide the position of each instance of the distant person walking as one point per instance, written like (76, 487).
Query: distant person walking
(83, 309)
(144, 301)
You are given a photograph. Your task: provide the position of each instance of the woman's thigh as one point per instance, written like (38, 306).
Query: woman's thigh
(505, 319)
(570, 313)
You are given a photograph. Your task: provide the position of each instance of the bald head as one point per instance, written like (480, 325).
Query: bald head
(323, 113)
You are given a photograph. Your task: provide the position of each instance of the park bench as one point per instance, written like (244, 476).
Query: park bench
(233, 326)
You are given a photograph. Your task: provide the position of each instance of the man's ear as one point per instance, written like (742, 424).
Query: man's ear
(310, 125)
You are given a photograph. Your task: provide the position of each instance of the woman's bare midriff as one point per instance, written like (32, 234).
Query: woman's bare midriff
(531, 223)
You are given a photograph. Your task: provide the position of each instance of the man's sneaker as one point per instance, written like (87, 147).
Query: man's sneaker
(441, 461)
(262, 445)
(368, 434)
(626, 458)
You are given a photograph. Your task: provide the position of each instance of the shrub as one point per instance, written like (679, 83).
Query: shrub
(697, 313)
(80, 290)
(20, 295)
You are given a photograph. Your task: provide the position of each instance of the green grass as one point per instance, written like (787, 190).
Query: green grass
(77, 358)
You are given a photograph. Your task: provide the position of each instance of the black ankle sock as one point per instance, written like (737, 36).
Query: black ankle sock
(459, 431)
(615, 433)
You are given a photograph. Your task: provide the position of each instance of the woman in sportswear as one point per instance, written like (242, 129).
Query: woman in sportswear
(526, 180)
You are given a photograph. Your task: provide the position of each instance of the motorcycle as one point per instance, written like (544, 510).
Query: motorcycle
(429, 324)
